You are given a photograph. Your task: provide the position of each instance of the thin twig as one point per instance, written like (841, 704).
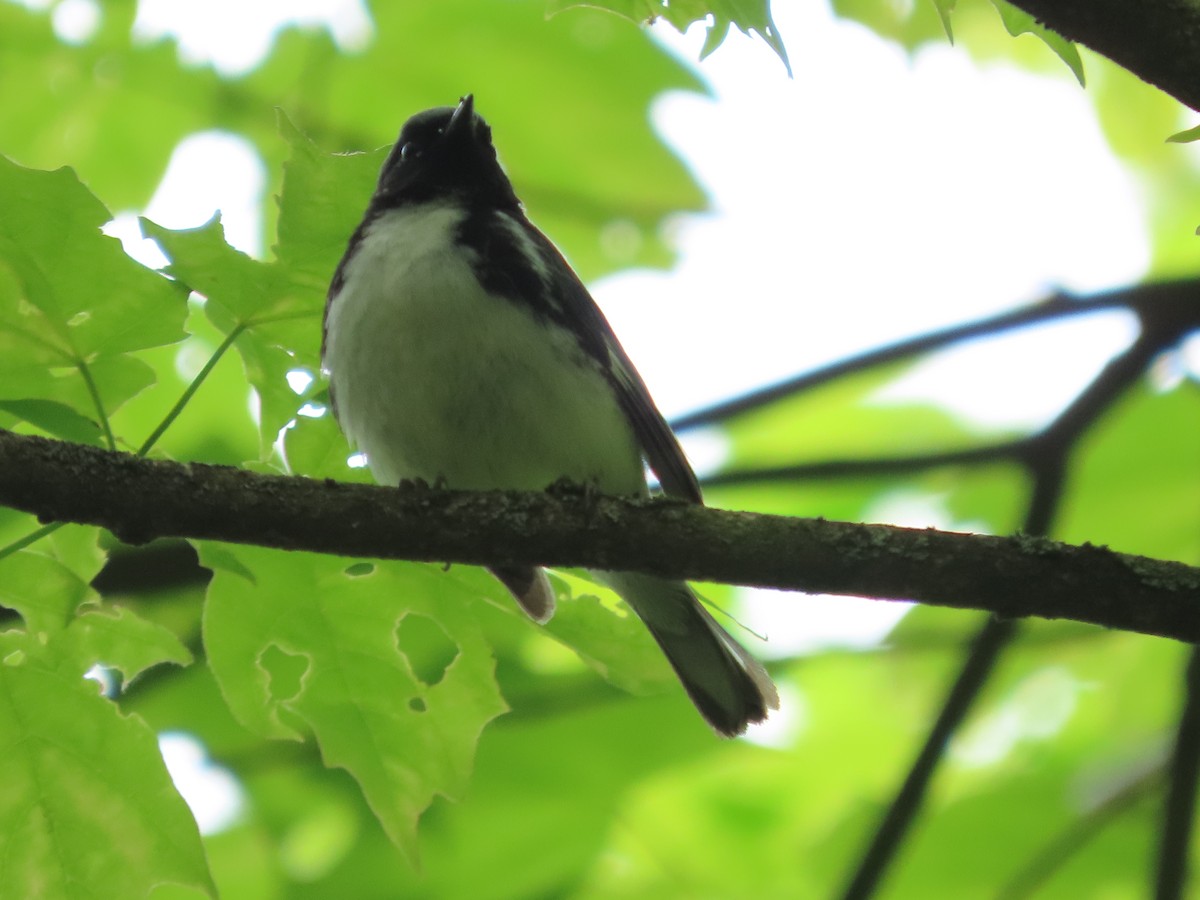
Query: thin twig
(985, 650)
(822, 470)
(1054, 855)
(1174, 301)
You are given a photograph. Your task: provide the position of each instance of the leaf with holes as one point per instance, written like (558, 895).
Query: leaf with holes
(385, 664)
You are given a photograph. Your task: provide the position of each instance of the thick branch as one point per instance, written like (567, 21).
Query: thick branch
(140, 499)
(1159, 42)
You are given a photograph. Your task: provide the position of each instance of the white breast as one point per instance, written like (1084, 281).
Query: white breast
(436, 378)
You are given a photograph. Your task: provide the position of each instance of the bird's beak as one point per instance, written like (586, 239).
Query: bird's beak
(463, 118)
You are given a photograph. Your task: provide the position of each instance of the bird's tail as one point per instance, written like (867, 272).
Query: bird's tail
(531, 589)
(729, 686)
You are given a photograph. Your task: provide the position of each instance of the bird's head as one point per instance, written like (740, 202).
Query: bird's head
(446, 153)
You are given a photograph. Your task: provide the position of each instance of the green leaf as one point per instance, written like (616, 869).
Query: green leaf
(79, 319)
(316, 643)
(1019, 22)
(122, 640)
(104, 303)
(44, 591)
(944, 9)
(49, 596)
(608, 636)
(242, 290)
(838, 421)
(276, 323)
(120, 105)
(56, 419)
(324, 196)
(575, 797)
(215, 422)
(317, 448)
(1185, 137)
(911, 24)
(88, 809)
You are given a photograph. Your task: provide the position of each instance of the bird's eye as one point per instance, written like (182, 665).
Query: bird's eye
(411, 150)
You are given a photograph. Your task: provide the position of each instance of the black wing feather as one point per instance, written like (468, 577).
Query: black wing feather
(577, 310)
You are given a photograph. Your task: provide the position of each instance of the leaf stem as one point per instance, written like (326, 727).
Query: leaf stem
(95, 394)
(190, 390)
(22, 542)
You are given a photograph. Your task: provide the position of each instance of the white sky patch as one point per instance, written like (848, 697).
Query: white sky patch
(1020, 380)
(209, 172)
(784, 725)
(235, 36)
(1177, 364)
(299, 380)
(75, 21)
(212, 793)
(794, 624)
(706, 449)
(107, 678)
(1190, 352)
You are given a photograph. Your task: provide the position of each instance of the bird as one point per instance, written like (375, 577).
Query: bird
(462, 350)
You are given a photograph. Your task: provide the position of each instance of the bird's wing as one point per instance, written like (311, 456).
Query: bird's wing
(578, 311)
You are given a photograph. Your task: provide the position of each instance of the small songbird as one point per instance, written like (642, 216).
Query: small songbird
(463, 350)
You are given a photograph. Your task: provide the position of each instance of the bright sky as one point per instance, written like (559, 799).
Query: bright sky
(873, 196)
(868, 198)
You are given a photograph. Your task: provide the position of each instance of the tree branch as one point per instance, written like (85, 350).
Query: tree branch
(1049, 859)
(140, 499)
(1169, 306)
(989, 644)
(1158, 42)
(981, 658)
(1176, 843)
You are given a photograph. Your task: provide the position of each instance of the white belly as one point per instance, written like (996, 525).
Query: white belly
(434, 378)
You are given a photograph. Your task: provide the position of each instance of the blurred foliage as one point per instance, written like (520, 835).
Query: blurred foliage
(349, 699)
(750, 16)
